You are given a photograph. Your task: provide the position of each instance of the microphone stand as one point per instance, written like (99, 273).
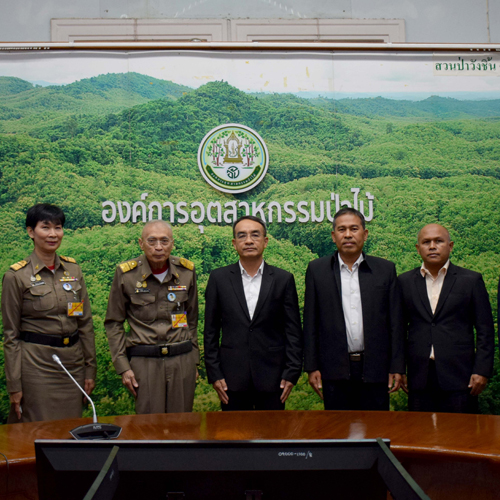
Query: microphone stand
(94, 430)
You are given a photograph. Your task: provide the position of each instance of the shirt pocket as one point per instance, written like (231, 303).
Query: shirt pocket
(180, 298)
(41, 298)
(74, 294)
(143, 307)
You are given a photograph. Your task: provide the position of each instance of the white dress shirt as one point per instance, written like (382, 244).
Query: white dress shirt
(351, 305)
(251, 287)
(434, 287)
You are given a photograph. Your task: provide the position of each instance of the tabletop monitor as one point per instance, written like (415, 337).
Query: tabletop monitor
(219, 470)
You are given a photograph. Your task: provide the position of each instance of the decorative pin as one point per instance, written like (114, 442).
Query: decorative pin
(38, 278)
(144, 284)
(36, 267)
(138, 284)
(32, 279)
(67, 286)
(143, 276)
(171, 297)
(66, 273)
(177, 281)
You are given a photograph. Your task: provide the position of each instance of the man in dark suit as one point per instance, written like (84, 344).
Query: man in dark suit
(258, 360)
(353, 325)
(443, 304)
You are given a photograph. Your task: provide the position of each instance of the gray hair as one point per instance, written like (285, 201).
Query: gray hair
(155, 222)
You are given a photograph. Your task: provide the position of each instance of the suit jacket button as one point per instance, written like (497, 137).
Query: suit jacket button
(433, 324)
(250, 330)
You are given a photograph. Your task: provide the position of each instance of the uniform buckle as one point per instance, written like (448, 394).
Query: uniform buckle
(66, 340)
(164, 351)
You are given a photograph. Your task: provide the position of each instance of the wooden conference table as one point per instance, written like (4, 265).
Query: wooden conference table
(450, 456)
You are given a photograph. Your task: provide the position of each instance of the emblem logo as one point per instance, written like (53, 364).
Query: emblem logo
(233, 158)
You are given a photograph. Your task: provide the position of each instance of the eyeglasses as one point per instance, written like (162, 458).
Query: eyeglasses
(164, 242)
(254, 235)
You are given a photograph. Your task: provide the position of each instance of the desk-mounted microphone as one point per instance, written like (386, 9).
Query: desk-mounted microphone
(94, 430)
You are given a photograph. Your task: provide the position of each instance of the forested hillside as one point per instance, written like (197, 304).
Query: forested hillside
(432, 108)
(115, 137)
(38, 110)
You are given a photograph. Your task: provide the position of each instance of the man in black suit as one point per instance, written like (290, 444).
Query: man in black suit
(258, 360)
(353, 325)
(443, 304)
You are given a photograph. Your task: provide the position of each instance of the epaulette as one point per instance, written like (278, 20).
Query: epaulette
(186, 263)
(18, 265)
(67, 259)
(128, 266)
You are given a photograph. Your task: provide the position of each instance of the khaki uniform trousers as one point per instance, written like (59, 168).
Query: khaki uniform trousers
(166, 385)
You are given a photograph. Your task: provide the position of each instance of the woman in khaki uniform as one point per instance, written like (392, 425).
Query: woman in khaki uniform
(46, 311)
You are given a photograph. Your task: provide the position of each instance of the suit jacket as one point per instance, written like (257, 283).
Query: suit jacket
(252, 353)
(325, 344)
(463, 305)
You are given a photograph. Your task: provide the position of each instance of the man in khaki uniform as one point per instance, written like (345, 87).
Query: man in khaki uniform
(156, 293)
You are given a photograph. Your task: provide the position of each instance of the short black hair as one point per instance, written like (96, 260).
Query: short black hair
(249, 217)
(350, 211)
(44, 212)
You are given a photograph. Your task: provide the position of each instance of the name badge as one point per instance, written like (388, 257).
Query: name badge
(75, 309)
(179, 320)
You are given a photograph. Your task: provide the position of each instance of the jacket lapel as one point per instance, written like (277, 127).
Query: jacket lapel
(265, 287)
(336, 273)
(421, 287)
(365, 277)
(449, 281)
(236, 282)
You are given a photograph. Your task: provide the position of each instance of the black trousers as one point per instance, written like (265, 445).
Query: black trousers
(253, 400)
(434, 399)
(355, 394)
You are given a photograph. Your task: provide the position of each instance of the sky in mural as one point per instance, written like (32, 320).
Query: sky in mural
(400, 75)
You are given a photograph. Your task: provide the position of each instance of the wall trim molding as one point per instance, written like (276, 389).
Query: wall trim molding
(229, 30)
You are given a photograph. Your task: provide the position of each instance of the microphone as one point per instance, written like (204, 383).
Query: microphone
(94, 430)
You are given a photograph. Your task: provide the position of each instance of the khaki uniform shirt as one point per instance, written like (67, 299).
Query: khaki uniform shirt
(138, 297)
(34, 300)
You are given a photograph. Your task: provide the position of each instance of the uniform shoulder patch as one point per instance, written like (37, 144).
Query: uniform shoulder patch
(186, 263)
(67, 259)
(18, 265)
(128, 266)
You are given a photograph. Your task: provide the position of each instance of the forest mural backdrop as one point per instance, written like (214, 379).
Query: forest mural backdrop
(416, 142)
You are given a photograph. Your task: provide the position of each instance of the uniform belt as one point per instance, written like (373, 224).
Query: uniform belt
(160, 351)
(355, 356)
(51, 340)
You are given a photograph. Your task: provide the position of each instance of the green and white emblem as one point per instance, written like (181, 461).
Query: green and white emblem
(233, 158)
